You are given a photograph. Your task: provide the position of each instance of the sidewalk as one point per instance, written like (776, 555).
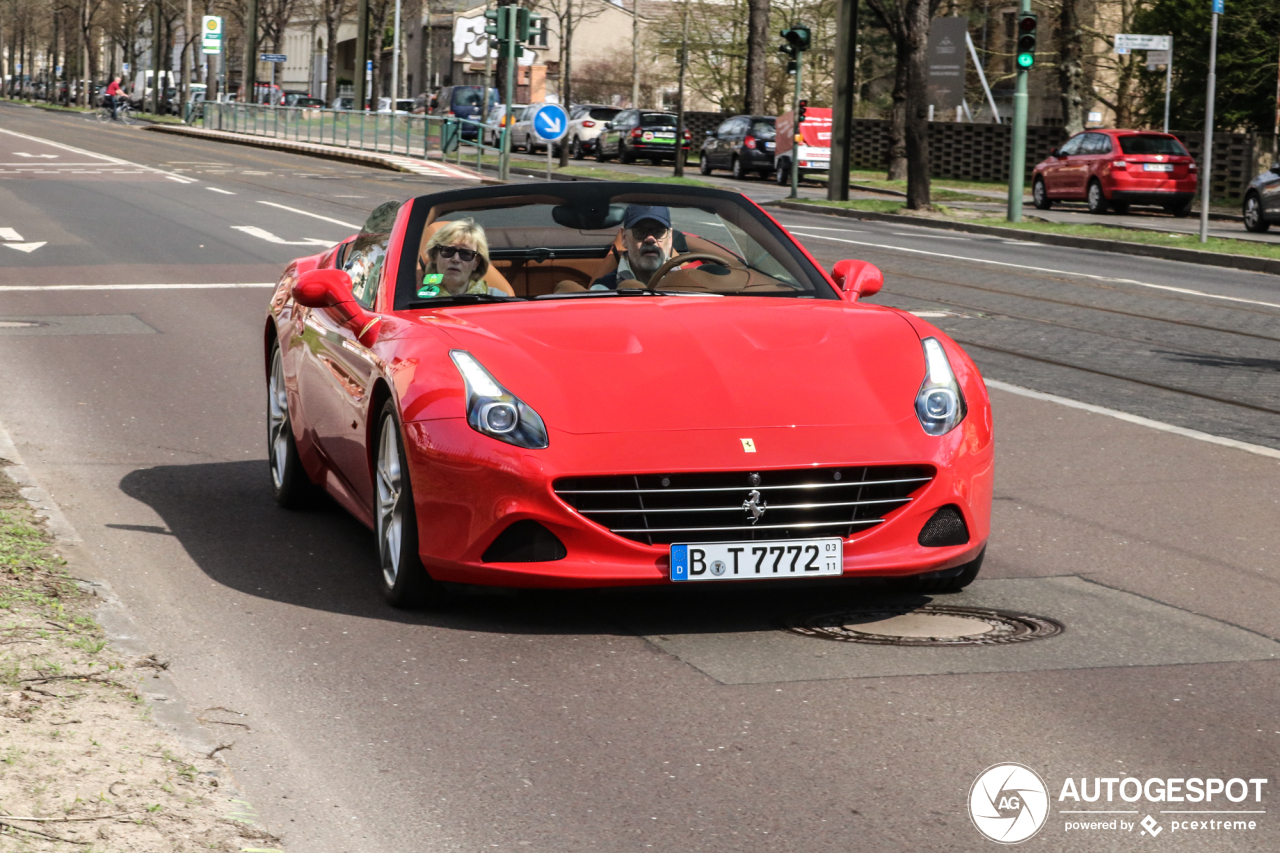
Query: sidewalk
(385, 160)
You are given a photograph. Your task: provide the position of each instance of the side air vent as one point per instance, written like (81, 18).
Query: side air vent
(525, 541)
(946, 527)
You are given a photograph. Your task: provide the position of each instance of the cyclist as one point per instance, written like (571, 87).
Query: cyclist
(113, 92)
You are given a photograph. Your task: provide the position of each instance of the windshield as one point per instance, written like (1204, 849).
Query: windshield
(549, 244)
(1151, 144)
(657, 120)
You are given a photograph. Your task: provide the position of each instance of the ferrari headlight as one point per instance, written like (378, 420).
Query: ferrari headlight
(495, 411)
(939, 403)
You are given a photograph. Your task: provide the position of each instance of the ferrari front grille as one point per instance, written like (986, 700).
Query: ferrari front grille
(658, 509)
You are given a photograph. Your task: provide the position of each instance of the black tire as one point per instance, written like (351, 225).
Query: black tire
(601, 157)
(290, 485)
(1098, 203)
(1041, 195)
(104, 114)
(739, 171)
(951, 580)
(1120, 208)
(782, 173)
(404, 580)
(704, 164)
(1182, 211)
(1253, 219)
(625, 156)
(575, 149)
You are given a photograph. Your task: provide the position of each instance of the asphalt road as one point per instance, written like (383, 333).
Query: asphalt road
(655, 720)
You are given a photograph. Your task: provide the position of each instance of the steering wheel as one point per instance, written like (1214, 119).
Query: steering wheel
(672, 263)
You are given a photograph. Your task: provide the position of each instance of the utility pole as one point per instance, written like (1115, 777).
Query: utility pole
(566, 77)
(156, 80)
(1206, 171)
(684, 64)
(842, 113)
(395, 63)
(635, 60)
(362, 52)
(1026, 57)
(188, 58)
(249, 81)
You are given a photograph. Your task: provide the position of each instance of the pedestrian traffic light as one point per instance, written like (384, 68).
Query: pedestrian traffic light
(798, 39)
(497, 26)
(801, 110)
(1026, 40)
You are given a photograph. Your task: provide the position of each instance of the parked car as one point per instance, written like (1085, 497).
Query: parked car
(1112, 169)
(586, 123)
(496, 120)
(403, 105)
(639, 133)
(742, 144)
(343, 102)
(1262, 201)
(523, 137)
(465, 102)
(295, 100)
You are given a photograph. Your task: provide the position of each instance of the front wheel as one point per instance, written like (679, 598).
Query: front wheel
(126, 115)
(739, 171)
(625, 156)
(1041, 195)
(1253, 219)
(601, 157)
(704, 164)
(290, 485)
(1097, 201)
(405, 582)
(575, 150)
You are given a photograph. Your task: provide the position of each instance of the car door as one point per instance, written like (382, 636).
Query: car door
(1269, 191)
(336, 370)
(1082, 164)
(1099, 151)
(732, 143)
(717, 148)
(1055, 174)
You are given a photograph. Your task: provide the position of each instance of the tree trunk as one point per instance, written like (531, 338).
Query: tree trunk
(757, 55)
(377, 26)
(1071, 67)
(917, 19)
(898, 121)
(332, 20)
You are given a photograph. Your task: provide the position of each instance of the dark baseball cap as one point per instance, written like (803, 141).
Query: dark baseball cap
(637, 213)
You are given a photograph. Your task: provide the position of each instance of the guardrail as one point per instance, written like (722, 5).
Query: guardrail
(390, 133)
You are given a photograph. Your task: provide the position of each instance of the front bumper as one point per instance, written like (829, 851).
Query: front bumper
(469, 488)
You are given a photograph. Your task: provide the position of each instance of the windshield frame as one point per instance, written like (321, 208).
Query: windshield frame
(591, 195)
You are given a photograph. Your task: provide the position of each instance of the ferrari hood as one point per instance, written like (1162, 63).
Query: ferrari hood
(681, 363)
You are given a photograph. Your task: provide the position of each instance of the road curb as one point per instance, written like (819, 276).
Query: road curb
(1167, 253)
(327, 152)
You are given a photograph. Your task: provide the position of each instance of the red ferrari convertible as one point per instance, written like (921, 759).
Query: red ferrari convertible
(594, 384)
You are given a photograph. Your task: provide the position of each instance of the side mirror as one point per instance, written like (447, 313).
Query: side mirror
(608, 125)
(322, 288)
(711, 133)
(857, 279)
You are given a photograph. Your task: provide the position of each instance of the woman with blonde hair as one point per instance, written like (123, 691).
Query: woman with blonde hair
(454, 261)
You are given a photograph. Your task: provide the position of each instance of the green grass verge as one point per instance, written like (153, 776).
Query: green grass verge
(31, 575)
(1221, 245)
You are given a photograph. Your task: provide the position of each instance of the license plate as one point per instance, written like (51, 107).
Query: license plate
(777, 558)
(1157, 167)
(664, 137)
(768, 146)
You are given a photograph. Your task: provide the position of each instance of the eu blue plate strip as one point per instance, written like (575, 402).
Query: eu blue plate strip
(679, 562)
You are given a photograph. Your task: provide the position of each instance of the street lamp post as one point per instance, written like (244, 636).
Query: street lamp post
(1206, 171)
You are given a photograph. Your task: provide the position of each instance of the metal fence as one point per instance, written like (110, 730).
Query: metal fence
(419, 136)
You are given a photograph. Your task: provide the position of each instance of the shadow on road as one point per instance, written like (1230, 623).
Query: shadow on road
(223, 515)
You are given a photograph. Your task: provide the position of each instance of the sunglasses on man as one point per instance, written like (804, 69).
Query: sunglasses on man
(465, 255)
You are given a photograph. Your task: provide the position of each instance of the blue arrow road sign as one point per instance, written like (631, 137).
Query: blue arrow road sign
(550, 122)
(1218, 7)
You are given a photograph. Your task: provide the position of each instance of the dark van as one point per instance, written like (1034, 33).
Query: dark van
(465, 102)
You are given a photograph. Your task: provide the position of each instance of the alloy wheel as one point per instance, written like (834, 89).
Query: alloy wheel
(390, 513)
(277, 420)
(1251, 212)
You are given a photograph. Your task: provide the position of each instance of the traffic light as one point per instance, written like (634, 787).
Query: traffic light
(526, 22)
(798, 39)
(801, 109)
(497, 25)
(1026, 40)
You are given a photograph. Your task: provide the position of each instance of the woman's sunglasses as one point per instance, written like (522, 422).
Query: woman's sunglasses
(466, 255)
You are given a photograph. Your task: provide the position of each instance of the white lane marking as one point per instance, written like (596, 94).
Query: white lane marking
(809, 228)
(29, 165)
(931, 236)
(180, 180)
(10, 234)
(41, 156)
(308, 213)
(1185, 290)
(1258, 449)
(85, 153)
(25, 247)
(10, 288)
(216, 190)
(263, 234)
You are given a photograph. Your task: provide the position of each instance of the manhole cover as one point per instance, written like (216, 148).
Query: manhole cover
(929, 625)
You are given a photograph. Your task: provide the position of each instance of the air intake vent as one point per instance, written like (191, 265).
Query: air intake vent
(658, 509)
(525, 541)
(946, 527)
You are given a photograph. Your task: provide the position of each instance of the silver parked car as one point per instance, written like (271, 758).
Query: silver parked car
(586, 121)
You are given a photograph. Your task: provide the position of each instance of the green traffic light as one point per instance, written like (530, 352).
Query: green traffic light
(1026, 60)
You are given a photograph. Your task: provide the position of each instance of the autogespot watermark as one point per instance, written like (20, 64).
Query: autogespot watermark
(1009, 803)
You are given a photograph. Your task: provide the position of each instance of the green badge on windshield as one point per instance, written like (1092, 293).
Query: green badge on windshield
(431, 285)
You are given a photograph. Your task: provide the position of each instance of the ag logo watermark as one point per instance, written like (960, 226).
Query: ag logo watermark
(1008, 803)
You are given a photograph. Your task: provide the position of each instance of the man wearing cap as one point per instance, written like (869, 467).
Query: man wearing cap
(646, 239)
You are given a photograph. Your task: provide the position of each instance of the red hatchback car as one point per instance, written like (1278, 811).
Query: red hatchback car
(1112, 169)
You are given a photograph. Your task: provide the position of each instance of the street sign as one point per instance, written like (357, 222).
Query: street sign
(1156, 58)
(1218, 7)
(1126, 42)
(550, 122)
(272, 57)
(946, 62)
(210, 34)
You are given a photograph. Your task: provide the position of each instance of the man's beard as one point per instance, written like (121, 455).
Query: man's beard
(649, 261)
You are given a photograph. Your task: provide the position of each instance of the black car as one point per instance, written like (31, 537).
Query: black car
(639, 133)
(742, 144)
(1262, 201)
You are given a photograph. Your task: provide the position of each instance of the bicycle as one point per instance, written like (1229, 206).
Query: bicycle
(124, 112)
